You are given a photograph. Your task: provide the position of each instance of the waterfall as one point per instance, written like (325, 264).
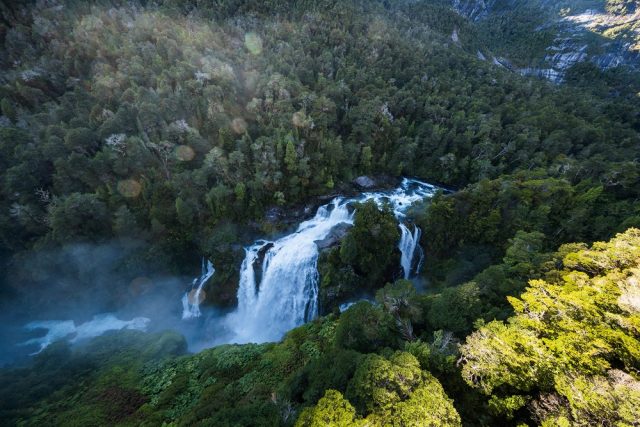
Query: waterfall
(285, 293)
(408, 245)
(278, 288)
(191, 299)
(247, 291)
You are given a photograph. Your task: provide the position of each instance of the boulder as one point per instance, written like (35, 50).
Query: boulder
(334, 237)
(364, 182)
(274, 214)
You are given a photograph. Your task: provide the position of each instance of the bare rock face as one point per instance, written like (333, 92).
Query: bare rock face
(335, 236)
(364, 182)
(473, 9)
(606, 34)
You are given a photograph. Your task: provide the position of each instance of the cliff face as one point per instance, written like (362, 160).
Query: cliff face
(474, 9)
(606, 33)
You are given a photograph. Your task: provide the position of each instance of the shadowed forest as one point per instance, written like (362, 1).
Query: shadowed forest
(139, 138)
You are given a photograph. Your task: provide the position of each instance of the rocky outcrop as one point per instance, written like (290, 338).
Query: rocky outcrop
(364, 182)
(280, 216)
(473, 9)
(578, 41)
(335, 236)
(601, 36)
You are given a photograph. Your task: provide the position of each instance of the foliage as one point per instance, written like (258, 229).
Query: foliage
(333, 410)
(192, 115)
(366, 258)
(572, 344)
(177, 124)
(94, 384)
(622, 6)
(396, 390)
(365, 327)
(370, 244)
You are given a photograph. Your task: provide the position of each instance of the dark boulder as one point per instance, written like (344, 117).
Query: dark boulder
(334, 237)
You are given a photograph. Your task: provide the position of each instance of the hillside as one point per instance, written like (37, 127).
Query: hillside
(547, 38)
(390, 217)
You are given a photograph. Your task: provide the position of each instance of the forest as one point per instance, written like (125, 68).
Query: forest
(146, 135)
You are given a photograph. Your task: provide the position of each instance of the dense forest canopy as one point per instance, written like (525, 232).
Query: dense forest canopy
(136, 137)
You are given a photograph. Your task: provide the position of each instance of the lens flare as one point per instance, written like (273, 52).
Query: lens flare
(253, 43)
(239, 125)
(301, 120)
(129, 188)
(140, 286)
(184, 153)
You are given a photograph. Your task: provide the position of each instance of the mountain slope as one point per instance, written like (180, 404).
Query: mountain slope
(137, 138)
(546, 38)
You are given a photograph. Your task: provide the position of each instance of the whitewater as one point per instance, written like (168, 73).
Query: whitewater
(278, 286)
(286, 296)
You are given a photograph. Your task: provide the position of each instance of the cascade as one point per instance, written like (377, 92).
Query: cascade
(278, 288)
(192, 298)
(408, 247)
(246, 291)
(286, 294)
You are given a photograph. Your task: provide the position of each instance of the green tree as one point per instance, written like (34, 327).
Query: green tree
(380, 383)
(333, 410)
(7, 109)
(395, 391)
(576, 337)
(456, 309)
(184, 211)
(125, 224)
(290, 157)
(364, 327)
(366, 159)
(79, 217)
(82, 140)
(370, 245)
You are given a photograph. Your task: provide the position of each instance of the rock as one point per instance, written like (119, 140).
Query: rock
(454, 36)
(274, 214)
(364, 182)
(473, 9)
(600, 35)
(262, 252)
(334, 237)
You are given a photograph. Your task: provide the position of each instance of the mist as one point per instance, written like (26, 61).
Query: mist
(79, 282)
(84, 290)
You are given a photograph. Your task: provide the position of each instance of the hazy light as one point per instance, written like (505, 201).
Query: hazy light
(185, 153)
(192, 296)
(239, 125)
(253, 43)
(129, 188)
(300, 120)
(140, 286)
